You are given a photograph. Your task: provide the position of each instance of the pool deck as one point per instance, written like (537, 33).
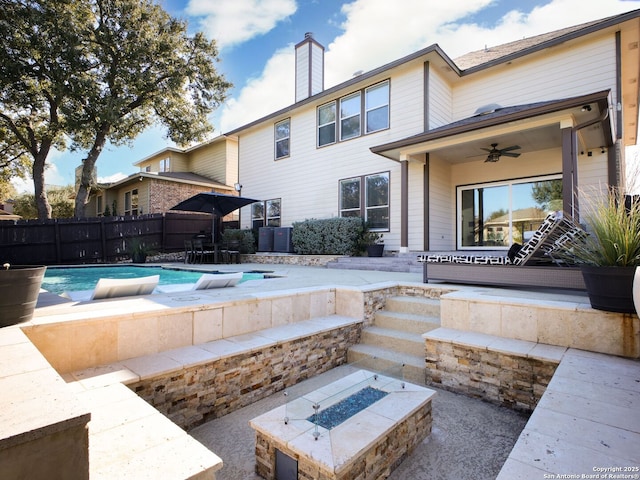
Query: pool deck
(605, 396)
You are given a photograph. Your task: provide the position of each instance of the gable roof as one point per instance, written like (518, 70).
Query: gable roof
(466, 64)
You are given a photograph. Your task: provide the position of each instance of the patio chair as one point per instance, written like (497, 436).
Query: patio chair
(201, 253)
(116, 287)
(189, 253)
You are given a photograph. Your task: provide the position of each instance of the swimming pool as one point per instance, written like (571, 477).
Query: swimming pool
(68, 279)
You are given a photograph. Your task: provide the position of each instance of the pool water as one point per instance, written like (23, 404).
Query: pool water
(60, 279)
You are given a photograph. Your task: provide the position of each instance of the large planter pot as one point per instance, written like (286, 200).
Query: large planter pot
(610, 288)
(19, 289)
(375, 250)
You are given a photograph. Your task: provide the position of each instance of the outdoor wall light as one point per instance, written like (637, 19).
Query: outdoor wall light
(586, 108)
(237, 186)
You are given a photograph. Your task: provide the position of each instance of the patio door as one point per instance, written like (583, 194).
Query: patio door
(496, 215)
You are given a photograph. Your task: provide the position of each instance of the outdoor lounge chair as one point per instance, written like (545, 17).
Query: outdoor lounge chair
(116, 287)
(536, 264)
(205, 282)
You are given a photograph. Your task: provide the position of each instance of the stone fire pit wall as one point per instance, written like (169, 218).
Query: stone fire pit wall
(195, 395)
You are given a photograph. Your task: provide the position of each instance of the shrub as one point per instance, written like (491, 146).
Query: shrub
(243, 238)
(332, 236)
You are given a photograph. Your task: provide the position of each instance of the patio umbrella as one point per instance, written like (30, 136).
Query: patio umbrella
(217, 204)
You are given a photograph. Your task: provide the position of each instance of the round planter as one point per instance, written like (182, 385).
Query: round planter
(610, 288)
(19, 289)
(375, 250)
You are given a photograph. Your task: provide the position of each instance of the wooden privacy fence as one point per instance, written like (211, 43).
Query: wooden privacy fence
(68, 241)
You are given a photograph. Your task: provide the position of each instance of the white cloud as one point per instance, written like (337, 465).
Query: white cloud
(112, 178)
(236, 21)
(376, 32)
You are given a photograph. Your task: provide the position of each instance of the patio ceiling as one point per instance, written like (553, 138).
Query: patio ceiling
(533, 127)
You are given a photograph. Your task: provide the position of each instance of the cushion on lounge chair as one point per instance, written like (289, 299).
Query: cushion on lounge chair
(539, 241)
(205, 282)
(124, 287)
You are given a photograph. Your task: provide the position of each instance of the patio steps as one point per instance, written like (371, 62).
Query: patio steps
(395, 338)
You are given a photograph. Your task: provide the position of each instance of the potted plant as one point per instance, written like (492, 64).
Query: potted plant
(609, 253)
(138, 251)
(374, 243)
(19, 289)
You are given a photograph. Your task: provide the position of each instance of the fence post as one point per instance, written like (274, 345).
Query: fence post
(56, 227)
(103, 240)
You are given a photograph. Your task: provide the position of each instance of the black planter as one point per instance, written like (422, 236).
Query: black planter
(139, 257)
(19, 289)
(610, 288)
(375, 250)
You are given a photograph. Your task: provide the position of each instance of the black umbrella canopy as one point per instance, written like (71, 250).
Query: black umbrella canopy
(217, 204)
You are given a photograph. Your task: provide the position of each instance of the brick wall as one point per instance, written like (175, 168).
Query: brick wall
(164, 195)
(195, 395)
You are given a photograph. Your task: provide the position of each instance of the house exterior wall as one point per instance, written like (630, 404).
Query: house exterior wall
(307, 181)
(163, 195)
(564, 71)
(213, 161)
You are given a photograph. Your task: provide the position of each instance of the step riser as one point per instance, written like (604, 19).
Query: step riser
(400, 345)
(417, 307)
(388, 320)
(410, 373)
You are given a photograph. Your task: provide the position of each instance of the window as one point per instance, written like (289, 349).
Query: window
(165, 165)
(496, 215)
(350, 116)
(147, 168)
(131, 202)
(99, 207)
(327, 124)
(265, 213)
(377, 107)
(372, 204)
(282, 139)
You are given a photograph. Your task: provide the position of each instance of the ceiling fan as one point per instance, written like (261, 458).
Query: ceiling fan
(496, 153)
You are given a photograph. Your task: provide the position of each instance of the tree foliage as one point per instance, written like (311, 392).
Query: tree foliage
(60, 199)
(98, 71)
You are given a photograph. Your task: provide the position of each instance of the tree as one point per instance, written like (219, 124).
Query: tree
(146, 69)
(60, 199)
(97, 71)
(39, 53)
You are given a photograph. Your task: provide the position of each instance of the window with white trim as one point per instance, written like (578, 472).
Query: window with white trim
(165, 165)
(371, 202)
(265, 214)
(282, 133)
(496, 215)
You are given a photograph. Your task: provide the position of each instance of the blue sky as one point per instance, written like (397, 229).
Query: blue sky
(256, 39)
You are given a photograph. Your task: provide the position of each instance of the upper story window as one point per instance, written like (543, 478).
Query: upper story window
(377, 107)
(99, 207)
(165, 164)
(327, 124)
(282, 131)
(147, 168)
(350, 116)
(356, 117)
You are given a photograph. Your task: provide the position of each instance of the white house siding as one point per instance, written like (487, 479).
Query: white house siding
(440, 100)
(307, 181)
(211, 161)
(416, 194)
(560, 72)
(441, 206)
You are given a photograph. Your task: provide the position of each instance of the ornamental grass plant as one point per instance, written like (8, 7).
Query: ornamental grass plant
(612, 222)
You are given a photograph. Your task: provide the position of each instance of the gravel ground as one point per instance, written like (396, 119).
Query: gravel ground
(470, 439)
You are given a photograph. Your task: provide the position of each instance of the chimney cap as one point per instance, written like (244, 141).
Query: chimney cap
(308, 35)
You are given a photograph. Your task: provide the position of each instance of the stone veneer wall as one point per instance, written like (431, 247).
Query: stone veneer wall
(377, 462)
(193, 396)
(511, 380)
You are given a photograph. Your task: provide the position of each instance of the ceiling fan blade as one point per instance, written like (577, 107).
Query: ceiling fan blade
(512, 147)
(487, 149)
(509, 154)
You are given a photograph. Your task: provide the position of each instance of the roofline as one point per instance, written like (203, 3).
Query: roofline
(181, 150)
(594, 27)
(601, 97)
(435, 48)
(155, 176)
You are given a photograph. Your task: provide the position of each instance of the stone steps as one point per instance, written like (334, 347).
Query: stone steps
(394, 342)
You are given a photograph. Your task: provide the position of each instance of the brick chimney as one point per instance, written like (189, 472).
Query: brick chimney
(309, 67)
